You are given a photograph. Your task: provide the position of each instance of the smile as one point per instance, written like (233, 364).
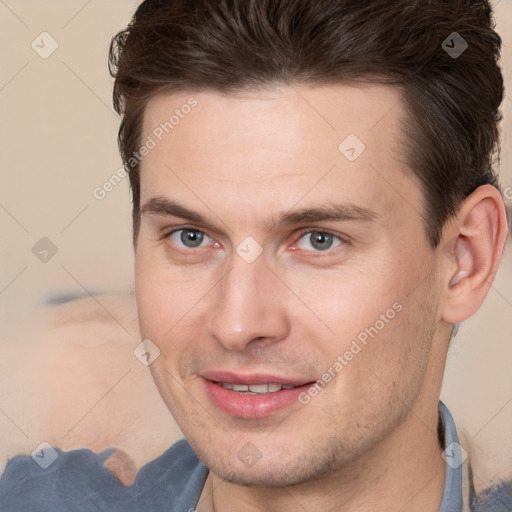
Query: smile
(254, 389)
(252, 397)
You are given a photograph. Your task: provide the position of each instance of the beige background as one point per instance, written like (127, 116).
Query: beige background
(69, 377)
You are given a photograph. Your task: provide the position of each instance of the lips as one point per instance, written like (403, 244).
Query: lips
(255, 378)
(252, 396)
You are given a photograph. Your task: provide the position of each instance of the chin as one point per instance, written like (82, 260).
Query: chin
(281, 471)
(261, 477)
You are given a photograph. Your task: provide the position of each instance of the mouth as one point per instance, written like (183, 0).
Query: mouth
(254, 389)
(252, 396)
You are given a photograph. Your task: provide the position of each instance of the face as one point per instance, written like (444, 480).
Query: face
(283, 272)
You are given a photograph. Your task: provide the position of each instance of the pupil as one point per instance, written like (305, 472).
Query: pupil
(321, 241)
(191, 238)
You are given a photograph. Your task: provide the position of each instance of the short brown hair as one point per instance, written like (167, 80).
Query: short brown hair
(230, 45)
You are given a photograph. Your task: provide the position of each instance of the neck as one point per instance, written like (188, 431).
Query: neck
(404, 472)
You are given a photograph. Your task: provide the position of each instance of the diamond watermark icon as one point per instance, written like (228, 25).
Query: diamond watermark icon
(454, 45)
(44, 45)
(44, 250)
(146, 352)
(249, 250)
(351, 147)
(44, 455)
(249, 455)
(454, 455)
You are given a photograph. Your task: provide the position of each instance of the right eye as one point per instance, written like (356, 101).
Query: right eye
(189, 238)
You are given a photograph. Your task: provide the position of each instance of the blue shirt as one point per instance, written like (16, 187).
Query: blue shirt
(77, 481)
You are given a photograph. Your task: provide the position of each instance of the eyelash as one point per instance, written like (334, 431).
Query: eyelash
(186, 228)
(316, 254)
(319, 254)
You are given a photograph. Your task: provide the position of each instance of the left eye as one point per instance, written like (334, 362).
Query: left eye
(189, 238)
(319, 241)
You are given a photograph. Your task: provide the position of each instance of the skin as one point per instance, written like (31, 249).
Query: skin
(368, 440)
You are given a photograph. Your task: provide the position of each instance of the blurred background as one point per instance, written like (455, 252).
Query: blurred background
(68, 375)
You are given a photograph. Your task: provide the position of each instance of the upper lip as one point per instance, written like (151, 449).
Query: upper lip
(227, 377)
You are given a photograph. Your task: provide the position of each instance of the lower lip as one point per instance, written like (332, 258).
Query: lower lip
(241, 405)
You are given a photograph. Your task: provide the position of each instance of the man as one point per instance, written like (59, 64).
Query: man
(314, 210)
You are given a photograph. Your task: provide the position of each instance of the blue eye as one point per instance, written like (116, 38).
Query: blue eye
(319, 241)
(189, 238)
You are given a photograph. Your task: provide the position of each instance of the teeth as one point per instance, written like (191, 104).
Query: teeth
(255, 389)
(259, 388)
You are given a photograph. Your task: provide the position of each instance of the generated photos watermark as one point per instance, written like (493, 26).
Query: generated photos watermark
(358, 344)
(151, 142)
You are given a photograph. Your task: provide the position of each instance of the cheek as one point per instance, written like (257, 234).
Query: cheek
(169, 299)
(160, 291)
(365, 319)
(395, 356)
(148, 292)
(347, 301)
(156, 292)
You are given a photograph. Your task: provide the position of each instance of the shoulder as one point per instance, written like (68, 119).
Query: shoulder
(81, 480)
(495, 498)
(53, 480)
(176, 477)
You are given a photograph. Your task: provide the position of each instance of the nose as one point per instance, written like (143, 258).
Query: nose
(248, 307)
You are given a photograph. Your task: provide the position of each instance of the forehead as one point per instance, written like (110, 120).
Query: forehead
(278, 117)
(326, 142)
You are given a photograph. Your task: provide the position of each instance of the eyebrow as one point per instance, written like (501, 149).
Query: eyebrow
(164, 206)
(332, 213)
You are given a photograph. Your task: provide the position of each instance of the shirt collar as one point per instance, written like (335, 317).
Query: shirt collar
(452, 494)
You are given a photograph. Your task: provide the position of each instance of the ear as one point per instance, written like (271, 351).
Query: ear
(471, 253)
